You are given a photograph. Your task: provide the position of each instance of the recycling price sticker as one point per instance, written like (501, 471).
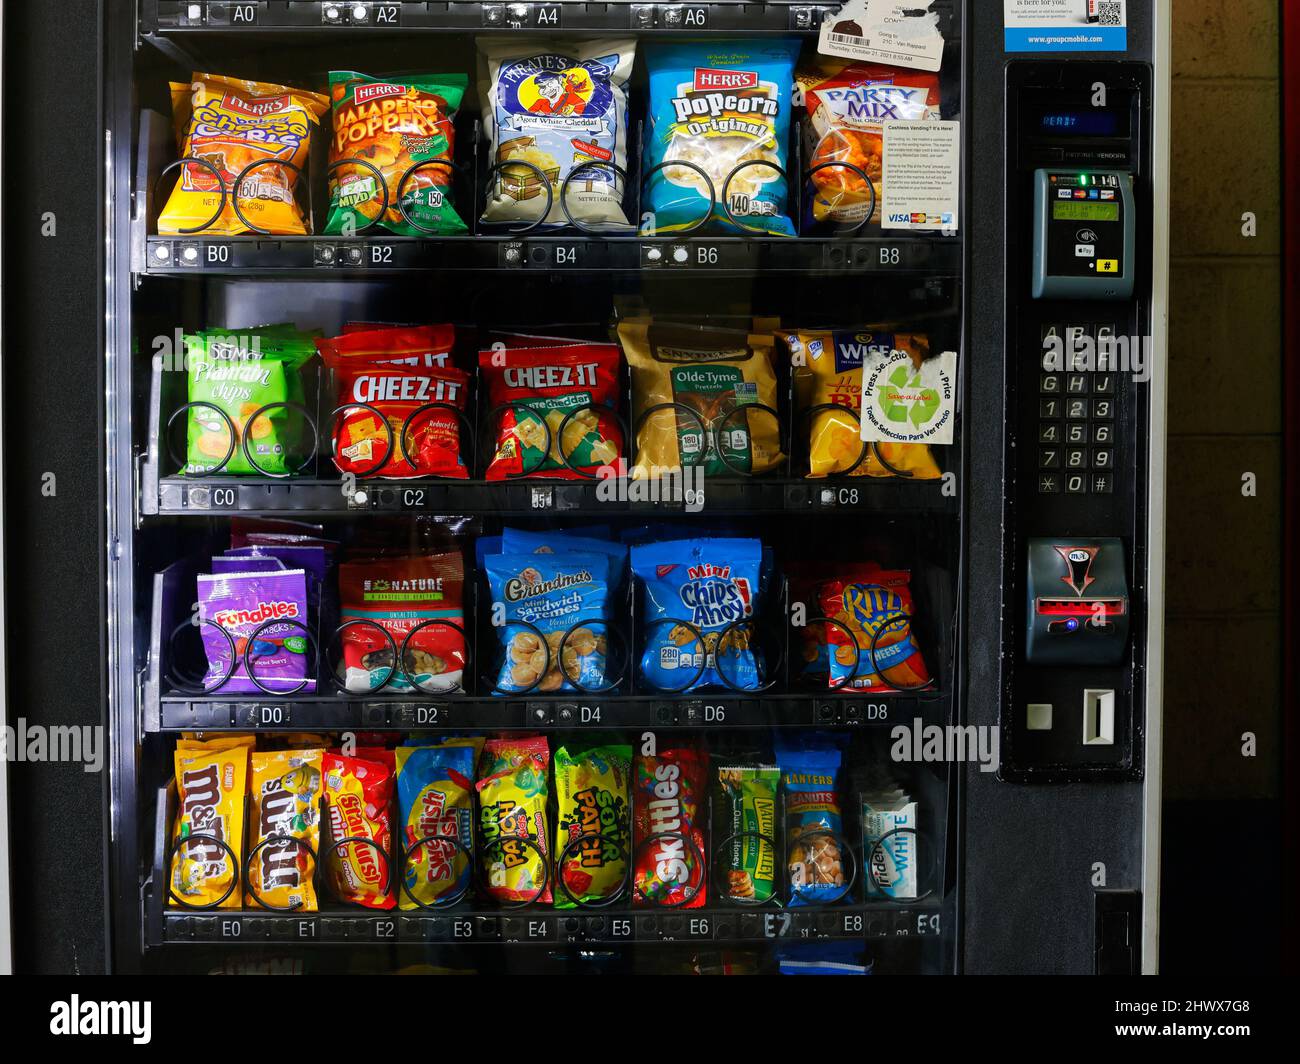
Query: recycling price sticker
(904, 403)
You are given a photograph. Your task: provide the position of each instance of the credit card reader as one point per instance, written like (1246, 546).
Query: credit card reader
(1084, 234)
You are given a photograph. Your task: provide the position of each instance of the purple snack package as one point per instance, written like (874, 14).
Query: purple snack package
(242, 603)
(222, 564)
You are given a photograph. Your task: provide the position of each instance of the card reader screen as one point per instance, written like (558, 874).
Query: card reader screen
(1084, 211)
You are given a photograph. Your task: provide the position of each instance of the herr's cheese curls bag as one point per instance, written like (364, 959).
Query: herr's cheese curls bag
(715, 373)
(435, 787)
(232, 124)
(512, 799)
(827, 368)
(359, 798)
(388, 135)
(593, 825)
(285, 794)
(211, 785)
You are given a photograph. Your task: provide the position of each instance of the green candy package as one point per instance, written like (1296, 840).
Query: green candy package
(234, 374)
(391, 153)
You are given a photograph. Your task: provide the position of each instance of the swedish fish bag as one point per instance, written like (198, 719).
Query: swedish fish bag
(231, 124)
(435, 786)
(210, 789)
(285, 791)
(828, 372)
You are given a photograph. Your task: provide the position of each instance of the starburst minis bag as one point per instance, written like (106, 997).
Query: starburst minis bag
(719, 106)
(713, 372)
(512, 791)
(828, 370)
(211, 785)
(285, 795)
(359, 793)
(231, 124)
(393, 126)
(847, 104)
(551, 107)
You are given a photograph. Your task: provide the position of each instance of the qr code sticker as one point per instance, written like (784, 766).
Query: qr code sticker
(1111, 12)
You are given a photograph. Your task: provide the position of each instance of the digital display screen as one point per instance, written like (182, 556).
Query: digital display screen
(1085, 211)
(1092, 122)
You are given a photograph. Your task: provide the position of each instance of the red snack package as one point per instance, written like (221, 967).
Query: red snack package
(399, 372)
(559, 401)
(358, 795)
(399, 595)
(667, 792)
(880, 654)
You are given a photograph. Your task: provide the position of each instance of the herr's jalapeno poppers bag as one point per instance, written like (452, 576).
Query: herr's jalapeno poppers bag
(724, 108)
(699, 594)
(593, 824)
(552, 408)
(408, 426)
(390, 140)
(359, 798)
(513, 819)
(230, 124)
(435, 787)
(670, 854)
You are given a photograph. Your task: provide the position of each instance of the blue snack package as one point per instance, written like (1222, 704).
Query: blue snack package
(435, 787)
(813, 824)
(524, 541)
(824, 958)
(696, 593)
(555, 633)
(716, 107)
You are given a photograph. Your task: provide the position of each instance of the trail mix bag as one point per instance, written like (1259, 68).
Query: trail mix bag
(592, 791)
(239, 372)
(285, 792)
(559, 402)
(846, 105)
(399, 596)
(719, 106)
(394, 126)
(512, 798)
(715, 373)
(400, 372)
(556, 106)
(231, 123)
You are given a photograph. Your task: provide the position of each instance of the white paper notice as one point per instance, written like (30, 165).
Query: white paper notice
(881, 31)
(921, 175)
(903, 404)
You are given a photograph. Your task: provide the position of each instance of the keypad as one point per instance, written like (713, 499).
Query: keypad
(1077, 433)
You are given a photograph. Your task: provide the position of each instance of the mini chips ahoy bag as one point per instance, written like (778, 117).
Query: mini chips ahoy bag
(698, 594)
(554, 633)
(723, 110)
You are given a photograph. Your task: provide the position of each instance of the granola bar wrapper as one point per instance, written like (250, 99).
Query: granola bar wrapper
(748, 807)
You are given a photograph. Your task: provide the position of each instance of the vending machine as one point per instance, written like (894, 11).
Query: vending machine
(630, 487)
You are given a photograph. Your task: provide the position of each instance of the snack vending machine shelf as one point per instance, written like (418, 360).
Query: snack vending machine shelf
(630, 488)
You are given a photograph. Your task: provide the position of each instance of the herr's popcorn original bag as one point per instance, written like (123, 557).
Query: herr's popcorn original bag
(699, 594)
(399, 392)
(875, 606)
(270, 606)
(285, 792)
(390, 135)
(435, 788)
(554, 408)
(231, 124)
(211, 786)
(556, 110)
(723, 108)
(241, 372)
(593, 824)
(828, 368)
(359, 798)
(512, 798)
(404, 597)
(714, 372)
(846, 105)
(670, 854)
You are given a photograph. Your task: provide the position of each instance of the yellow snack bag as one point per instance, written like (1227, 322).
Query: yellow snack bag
(194, 741)
(512, 797)
(715, 373)
(828, 372)
(210, 789)
(231, 124)
(435, 788)
(594, 824)
(286, 791)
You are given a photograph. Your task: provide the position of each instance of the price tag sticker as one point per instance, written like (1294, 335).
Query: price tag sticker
(881, 31)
